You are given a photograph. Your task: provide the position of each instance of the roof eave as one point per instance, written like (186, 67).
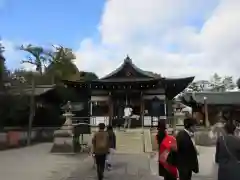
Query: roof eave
(174, 86)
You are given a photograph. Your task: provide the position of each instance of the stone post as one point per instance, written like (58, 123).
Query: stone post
(207, 124)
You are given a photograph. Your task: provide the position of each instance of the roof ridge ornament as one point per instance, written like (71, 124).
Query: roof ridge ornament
(128, 59)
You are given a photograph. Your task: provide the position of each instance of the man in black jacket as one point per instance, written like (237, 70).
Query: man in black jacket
(187, 154)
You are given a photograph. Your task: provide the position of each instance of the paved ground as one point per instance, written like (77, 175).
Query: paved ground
(125, 166)
(206, 164)
(36, 163)
(139, 166)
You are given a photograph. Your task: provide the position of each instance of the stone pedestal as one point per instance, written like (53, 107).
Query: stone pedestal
(63, 138)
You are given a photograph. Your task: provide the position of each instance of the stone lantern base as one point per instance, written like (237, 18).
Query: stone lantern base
(63, 142)
(63, 138)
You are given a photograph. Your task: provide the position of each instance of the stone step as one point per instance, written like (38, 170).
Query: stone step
(147, 140)
(129, 142)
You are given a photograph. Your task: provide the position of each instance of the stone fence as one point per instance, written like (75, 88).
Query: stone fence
(17, 137)
(208, 137)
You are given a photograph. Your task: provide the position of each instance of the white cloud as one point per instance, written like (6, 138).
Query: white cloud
(204, 33)
(14, 56)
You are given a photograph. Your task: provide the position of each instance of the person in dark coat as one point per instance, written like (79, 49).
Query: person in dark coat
(112, 145)
(228, 154)
(187, 154)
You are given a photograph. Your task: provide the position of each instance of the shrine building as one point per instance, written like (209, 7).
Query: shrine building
(150, 95)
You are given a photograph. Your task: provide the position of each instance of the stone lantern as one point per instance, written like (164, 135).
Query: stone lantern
(63, 137)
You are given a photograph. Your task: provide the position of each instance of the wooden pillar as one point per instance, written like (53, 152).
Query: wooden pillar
(207, 124)
(91, 105)
(151, 121)
(142, 120)
(90, 112)
(142, 110)
(169, 111)
(110, 109)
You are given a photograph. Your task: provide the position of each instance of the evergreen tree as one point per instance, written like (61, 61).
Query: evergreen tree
(3, 69)
(61, 64)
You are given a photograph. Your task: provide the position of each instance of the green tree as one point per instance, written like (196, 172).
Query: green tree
(198, 86)
(2, 65)
(228, 83)
(238, 83)
(193, 87)
(61, 64)
(25, 76)
(221, 84)
(216, 83)
(37, 57)
(88, 76)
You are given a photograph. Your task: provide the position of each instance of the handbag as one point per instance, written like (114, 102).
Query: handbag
(230, 170)
(172, 158)
(169, 157)
(229, 152)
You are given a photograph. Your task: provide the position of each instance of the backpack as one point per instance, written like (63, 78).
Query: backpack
(102, 140)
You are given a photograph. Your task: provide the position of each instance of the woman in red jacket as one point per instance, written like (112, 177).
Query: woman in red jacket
(166, 145)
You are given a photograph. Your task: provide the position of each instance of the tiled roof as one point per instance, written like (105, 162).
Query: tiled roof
(218, 98)
(39, 90)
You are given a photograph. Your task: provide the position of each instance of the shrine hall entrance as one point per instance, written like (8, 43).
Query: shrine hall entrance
(122, 100)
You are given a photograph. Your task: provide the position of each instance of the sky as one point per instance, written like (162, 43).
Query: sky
(174, 38)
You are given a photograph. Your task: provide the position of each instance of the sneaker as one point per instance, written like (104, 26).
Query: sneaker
(109, 167)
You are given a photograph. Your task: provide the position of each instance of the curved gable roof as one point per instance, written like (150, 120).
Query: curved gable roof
(129, 64)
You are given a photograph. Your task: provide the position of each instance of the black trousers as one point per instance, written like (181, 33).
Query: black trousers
(169, 176)
(185, 174)
(165, 173)
(100, 162)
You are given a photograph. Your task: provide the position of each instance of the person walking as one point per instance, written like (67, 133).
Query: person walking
(167, 146)
(187, 153)
(112, 146)
(228, 154)
(127, 115)
(100, 144)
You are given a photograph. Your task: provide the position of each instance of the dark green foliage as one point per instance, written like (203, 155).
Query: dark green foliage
(36, 57)
(50, 116)
(4, 73)
(51, 68)
(14, 110)
(238, 83)
(88, 76)
(61, 64)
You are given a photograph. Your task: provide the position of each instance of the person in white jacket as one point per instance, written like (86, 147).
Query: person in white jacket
(127, 116)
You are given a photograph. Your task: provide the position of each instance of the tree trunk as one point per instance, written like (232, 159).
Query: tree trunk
(32, 112)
